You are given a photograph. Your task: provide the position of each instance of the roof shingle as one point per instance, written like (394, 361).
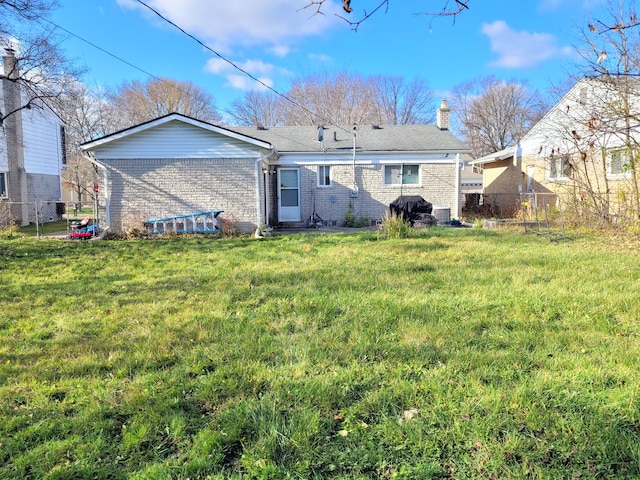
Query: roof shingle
(385, 138)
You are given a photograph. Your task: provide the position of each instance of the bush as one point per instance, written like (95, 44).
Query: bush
(393, 226)
(351, 220)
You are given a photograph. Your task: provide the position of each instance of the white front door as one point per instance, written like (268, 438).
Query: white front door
(289, 195)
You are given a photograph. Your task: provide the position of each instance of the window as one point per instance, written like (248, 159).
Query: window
(63, 145)
(618, 162)
(559, 168)
(324, 176)
(401, 175)
(3, 185)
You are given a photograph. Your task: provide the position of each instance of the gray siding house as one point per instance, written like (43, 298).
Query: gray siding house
(176, 165)
(31, 151)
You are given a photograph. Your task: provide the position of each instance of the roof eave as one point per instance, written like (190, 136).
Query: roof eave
(495, 157)
(93, 144)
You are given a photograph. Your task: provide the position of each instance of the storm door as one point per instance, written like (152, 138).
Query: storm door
(288, 195)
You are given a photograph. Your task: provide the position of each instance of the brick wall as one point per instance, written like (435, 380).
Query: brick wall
(152, 188)
(437, 185)
(141, 189)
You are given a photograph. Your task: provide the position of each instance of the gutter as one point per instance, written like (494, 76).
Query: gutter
(257, 172)
(457, 202)
(107, 202)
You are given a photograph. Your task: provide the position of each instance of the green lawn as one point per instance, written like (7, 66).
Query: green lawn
(456, 353)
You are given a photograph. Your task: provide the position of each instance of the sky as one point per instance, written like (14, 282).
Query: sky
(277, 41)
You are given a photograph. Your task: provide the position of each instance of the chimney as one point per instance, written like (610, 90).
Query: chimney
(17, 186)
(10, 64)
(443, 116)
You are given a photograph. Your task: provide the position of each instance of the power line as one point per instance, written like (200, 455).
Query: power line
(120, 59)
(240, 69)
(126, 62)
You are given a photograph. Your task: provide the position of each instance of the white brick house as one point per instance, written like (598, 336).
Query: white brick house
(177, 165)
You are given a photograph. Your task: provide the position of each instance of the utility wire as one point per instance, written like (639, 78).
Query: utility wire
(120, 59)
(240, 69)
(160, 79)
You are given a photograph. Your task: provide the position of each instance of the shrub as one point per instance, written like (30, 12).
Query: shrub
(229, 225)
(8, 227)
(393, 226)
(352, 220)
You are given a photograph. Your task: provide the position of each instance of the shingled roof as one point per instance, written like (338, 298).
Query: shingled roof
(370, 138)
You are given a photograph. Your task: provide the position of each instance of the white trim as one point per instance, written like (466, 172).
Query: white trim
(496, 157)
(364, 158)
(318, 184)
(624, 161)
(294, 212)
(257, 168)
(172, 118)
(559, 178)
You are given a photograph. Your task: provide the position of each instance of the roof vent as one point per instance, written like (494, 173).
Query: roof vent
(262, 127)
(376, 127)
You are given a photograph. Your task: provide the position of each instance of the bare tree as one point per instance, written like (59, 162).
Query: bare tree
(340, 99)
(493, 114)
(603, 125)
(87, 115)
(37, 66)
(137, 102)
(404, 103)
(260, 108)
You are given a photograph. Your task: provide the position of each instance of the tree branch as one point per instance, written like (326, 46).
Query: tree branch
(451, 8)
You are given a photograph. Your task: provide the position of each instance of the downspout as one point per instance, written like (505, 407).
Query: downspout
(457, 202)
(354, 192)
(107, 211)
(258, 171)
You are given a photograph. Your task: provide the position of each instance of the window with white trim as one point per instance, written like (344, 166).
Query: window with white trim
(618, 163)
(324, 175)
(402, 174)
(3, 185)
(559, 168)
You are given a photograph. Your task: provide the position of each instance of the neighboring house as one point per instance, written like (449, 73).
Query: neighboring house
(581, 151)
(176, 165)
(31, 153)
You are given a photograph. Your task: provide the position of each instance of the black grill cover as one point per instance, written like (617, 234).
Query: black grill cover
(410, 207)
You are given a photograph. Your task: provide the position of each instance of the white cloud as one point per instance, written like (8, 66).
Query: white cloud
(320, 58)
(279, 50)
(546, 5)
(551, 5)
(257, 68)
(217, 65)
(274, 24)
(520, 49)
(245, 83)
(254, 67)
